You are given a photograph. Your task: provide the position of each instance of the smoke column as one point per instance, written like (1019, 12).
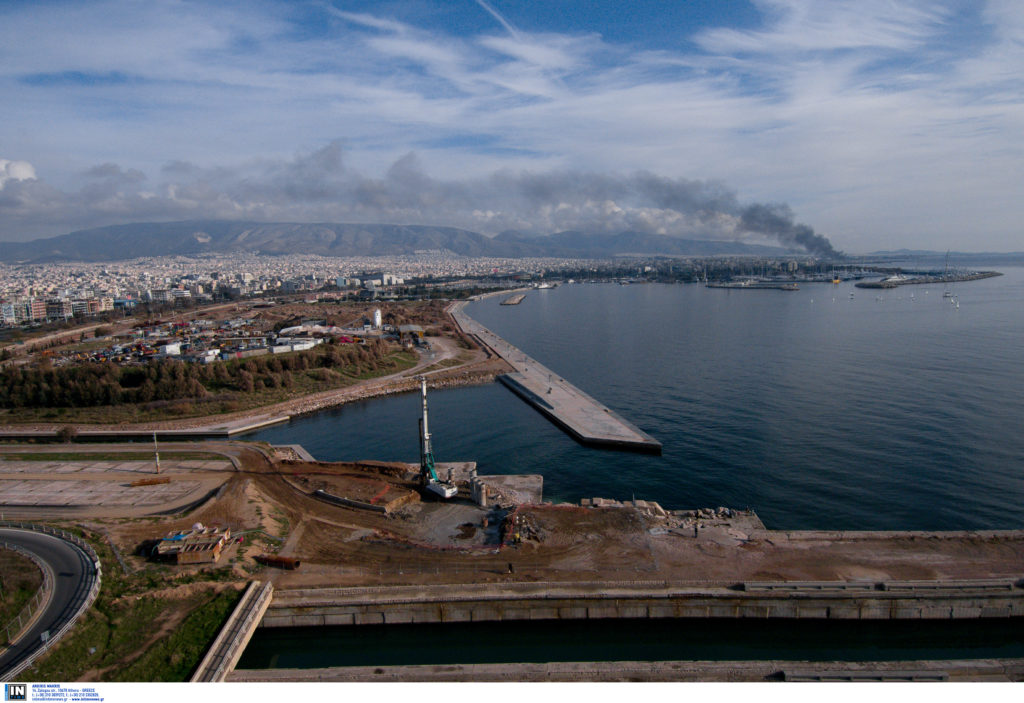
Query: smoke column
(776, 219)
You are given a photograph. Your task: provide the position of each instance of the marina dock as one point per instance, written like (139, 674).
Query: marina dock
(585, 419)
(513, 299)
(755, 285)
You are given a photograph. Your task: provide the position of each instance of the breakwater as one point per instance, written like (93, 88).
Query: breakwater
(921, 280)
(755, 285)
(585, 419)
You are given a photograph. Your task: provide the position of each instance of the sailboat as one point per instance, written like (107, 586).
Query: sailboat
(947, 293)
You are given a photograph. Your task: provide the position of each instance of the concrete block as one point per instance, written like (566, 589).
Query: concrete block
(633, 611)
(398, 617)
(457, 613)
(338, 619)
(937, 612)
(515, 613)
(661, 611)
(484, 613)
(812, 611)
(844, 612)
(426, 615)
(541, 613)
(374, 617)
(277, 621)
(906, 611)
(308, 620)
(873, 610)
(692, 610)
(784, 610)
(595, 612)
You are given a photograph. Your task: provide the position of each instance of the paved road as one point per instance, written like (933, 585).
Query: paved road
(73, 573)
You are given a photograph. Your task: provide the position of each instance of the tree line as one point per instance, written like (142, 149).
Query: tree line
(106, 383)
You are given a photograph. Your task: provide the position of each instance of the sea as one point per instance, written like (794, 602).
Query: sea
(827, 408)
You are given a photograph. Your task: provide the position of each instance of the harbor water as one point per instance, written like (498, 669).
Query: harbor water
(830, 407)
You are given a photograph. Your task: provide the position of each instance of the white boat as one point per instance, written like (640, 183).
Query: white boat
(947, 293)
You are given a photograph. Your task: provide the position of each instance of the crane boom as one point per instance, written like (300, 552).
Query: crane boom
(428, 472)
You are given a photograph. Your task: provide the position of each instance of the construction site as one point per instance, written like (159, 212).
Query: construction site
(289, 541)
(360, 543)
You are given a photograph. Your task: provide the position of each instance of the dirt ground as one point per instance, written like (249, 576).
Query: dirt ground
(20, 578)
(269, 503)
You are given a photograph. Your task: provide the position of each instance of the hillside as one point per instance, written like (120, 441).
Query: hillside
(192, 238)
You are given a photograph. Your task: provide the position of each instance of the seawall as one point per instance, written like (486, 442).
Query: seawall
(597, 600)
(995, 670)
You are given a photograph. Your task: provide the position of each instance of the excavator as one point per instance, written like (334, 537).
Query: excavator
(428, 474)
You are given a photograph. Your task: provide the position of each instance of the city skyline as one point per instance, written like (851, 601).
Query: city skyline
(880, 125)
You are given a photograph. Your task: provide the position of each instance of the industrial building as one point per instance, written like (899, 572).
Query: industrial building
(200, 545)
(411, 333)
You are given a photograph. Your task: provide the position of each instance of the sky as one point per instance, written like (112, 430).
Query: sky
(874, 124)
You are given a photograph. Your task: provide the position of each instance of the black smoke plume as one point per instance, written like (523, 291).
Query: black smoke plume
(776, 219)
(321, 187)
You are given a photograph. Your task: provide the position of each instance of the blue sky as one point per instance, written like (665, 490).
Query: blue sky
(879, 123)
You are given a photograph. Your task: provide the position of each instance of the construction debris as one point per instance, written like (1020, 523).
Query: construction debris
(150, 481)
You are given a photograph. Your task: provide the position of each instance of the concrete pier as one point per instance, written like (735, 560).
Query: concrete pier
(585, 419)
(226, 650)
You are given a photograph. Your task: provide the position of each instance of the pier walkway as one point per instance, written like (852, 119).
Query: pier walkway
(587, 420)
(227, 649)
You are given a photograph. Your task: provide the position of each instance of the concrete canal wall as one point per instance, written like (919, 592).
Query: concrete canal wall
(564, 601)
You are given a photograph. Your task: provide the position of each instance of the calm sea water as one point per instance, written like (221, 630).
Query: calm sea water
(888, 410)
(631, 640)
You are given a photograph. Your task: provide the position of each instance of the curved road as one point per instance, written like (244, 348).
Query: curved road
(73, 575)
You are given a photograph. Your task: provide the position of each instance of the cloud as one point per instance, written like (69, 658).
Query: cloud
(806, 25)
(885, 123)
(15, 171)
(318, 186)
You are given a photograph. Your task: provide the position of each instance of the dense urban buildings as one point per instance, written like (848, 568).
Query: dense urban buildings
(56, 291)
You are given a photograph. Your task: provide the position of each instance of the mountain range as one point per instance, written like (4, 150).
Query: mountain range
(198, 237)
